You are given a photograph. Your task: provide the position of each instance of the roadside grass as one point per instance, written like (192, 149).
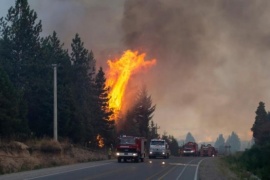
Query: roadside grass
(42, 153)
(252, 163)
(225, 170)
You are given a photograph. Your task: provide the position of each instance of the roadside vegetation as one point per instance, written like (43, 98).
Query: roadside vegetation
(41, 153)
(254, 162)
(251, 164)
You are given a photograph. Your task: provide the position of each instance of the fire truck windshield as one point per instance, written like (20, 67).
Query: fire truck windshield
(157, 142)
(127, 140)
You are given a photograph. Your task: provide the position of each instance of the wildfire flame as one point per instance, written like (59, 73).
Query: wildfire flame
(120, 71)
(100, 141)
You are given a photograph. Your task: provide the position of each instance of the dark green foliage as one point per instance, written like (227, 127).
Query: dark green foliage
(53, 53)
(172, 142)
(138, 117)
(143, 112)
(20, 54)
(9, 106)
(82, 92)
(21, 35)
(103, 124)
(153, 130)
(234, 142)
(255, 160)
(130, 126)
(189, 138)
(261, 126)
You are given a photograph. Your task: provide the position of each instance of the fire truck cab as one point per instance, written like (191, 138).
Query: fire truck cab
(159, 148)
(131, 148)
(190, 149)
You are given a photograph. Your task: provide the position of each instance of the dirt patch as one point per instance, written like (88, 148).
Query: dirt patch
(17, 156)
(213, 168)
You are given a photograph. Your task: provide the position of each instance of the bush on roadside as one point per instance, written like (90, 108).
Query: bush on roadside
(50, 146)
(254, 160)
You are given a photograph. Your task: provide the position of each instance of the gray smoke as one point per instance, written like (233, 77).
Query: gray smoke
(212, 62)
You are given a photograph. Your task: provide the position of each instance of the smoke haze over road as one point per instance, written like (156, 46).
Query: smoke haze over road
(212, 56)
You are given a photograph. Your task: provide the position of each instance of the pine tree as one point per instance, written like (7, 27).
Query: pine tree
(144, 111)
(173, 146)
(12, 110)
(82, 92)
(220, 141)
(153, 130)
(103, 113)
(190, 138)
(258, 127)
(130, 125)
(234, 142)
(21, 34)
(20, 54)
(53, 53)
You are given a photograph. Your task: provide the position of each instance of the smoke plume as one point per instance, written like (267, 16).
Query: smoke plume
(212, 56)
(212, 59)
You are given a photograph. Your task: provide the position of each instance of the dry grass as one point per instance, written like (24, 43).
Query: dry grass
(214, 169)
(35, 154)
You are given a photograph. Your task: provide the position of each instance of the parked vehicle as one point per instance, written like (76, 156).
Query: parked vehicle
(131, 148)
(159, 148)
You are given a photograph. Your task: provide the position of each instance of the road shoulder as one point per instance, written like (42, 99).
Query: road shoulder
(213, 168)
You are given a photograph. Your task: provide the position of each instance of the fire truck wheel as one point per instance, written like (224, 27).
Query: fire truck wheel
(136, 160)
(142, 159)
(119, 160)
(150, 157)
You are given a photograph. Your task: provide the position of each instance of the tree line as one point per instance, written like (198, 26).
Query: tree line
(26, 87)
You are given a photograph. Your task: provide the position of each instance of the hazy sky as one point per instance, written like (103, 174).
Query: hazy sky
(212, 56)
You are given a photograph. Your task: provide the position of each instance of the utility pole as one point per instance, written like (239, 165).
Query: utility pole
(55, 102)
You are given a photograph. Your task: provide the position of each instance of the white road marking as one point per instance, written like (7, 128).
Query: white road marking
(196, 173)
(184, 169)
(188, 164)
(181, 164)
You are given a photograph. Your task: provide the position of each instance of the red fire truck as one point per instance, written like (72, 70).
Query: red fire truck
(207, 150)
(190, 149)
(131, 148)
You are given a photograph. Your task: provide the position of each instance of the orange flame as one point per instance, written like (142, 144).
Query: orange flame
(119, 74)
(100, 141)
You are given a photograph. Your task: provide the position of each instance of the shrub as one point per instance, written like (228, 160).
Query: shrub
(50, 146)
(255, 160)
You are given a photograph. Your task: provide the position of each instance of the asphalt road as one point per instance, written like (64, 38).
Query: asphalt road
(178, 168)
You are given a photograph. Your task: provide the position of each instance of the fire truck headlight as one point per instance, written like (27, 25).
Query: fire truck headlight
(118, 154)
(134, 154)
(163, 152)
(151, 152)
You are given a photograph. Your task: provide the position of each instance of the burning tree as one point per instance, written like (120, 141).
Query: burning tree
(104, 125)
(139, 116)
(119, 74)
(136, 119)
